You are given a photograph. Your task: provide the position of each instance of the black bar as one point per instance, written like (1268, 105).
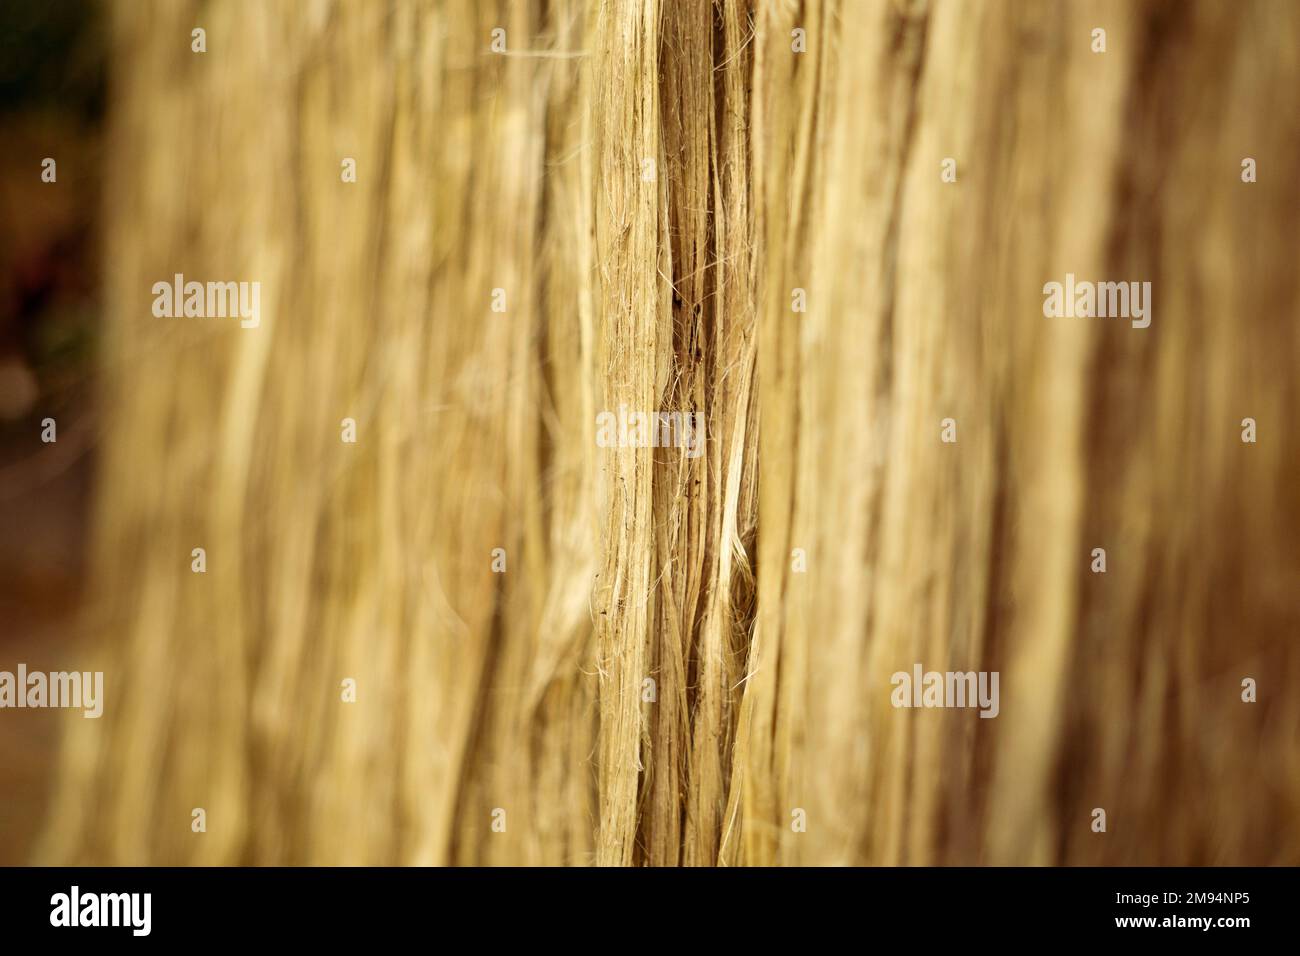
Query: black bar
(465, 908)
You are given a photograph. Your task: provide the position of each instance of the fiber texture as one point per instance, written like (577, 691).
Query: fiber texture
(681, 656)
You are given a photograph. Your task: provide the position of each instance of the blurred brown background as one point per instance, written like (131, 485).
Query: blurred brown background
(52, 88)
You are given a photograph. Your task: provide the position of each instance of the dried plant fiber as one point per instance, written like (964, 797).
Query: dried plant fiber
(683, 655)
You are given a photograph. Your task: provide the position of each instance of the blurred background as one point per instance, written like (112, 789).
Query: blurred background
(52, 93)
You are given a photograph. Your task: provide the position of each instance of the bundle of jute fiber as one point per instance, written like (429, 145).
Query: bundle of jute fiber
(436, 620)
